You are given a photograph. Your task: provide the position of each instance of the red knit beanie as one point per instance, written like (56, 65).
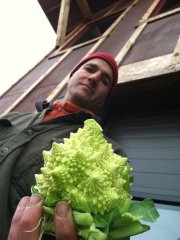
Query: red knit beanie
(106, 57)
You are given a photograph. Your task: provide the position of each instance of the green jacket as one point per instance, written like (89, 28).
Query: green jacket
(22, 139)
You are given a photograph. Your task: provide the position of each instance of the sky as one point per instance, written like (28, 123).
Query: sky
(26, 37)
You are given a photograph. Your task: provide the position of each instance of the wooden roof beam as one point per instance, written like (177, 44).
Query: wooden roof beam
(85, 9)
(55, 7)
(62, 22)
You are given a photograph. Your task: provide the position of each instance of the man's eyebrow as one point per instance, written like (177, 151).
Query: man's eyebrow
(92, 64)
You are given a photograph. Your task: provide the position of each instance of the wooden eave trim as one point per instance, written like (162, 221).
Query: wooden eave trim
(62, 22)
(160, 16)
(153, 67)
(74, 31)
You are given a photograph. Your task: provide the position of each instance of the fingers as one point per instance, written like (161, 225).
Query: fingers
(64, 225)
(26, 220)
(25, 223)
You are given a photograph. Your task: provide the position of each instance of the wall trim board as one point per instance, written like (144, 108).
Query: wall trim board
(148, 68)
(160, 16)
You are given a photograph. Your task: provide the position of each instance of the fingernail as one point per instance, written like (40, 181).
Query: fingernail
(34, 200)
(23, 202)
(62, 209)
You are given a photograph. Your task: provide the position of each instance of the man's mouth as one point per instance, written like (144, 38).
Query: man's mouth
(87, 87)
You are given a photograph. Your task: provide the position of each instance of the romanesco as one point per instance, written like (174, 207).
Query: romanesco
(86, 172)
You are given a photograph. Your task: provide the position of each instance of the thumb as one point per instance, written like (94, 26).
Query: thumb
(64, 224)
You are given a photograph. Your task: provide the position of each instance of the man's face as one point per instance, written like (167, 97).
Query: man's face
(90, 84)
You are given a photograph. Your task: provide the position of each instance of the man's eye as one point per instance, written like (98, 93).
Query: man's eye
(105, 80)
(89, 68)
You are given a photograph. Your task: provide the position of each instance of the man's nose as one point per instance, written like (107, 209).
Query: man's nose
(96, 76)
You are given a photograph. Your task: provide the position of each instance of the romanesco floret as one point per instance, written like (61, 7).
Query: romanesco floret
(84, 167)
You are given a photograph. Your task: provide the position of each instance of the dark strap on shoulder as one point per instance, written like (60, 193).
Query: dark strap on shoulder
(41, 105)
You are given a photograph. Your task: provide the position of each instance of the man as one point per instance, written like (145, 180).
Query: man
(25, 135)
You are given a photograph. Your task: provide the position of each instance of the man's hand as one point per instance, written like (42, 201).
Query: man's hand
(26, 220)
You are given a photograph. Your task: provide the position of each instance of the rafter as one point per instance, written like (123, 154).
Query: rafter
(85, 9)
(62, 22)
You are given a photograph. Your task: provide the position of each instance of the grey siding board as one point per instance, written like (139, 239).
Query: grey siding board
(167, 167)
(152, 144)
(153, 152)
(145, 141)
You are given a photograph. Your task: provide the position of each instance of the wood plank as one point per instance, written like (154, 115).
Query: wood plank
(147, 68)
(62, 22)
(53, 8)
(85, 9)
(162, 15)
(36, 83)
(176, 54)
(109, 10)
(112, 8)
(130, 43)
(77, 46)
(58, 89)
(122, 54)
(151, 9)
(78, 29)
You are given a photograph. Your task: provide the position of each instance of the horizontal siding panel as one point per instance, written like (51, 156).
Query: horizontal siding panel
(149, 142)
(153, 131)
(157, 186)
(154, 153)
(156, 194)
(161, 181)
(168, 166)
(146, 120)
(156, 191)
